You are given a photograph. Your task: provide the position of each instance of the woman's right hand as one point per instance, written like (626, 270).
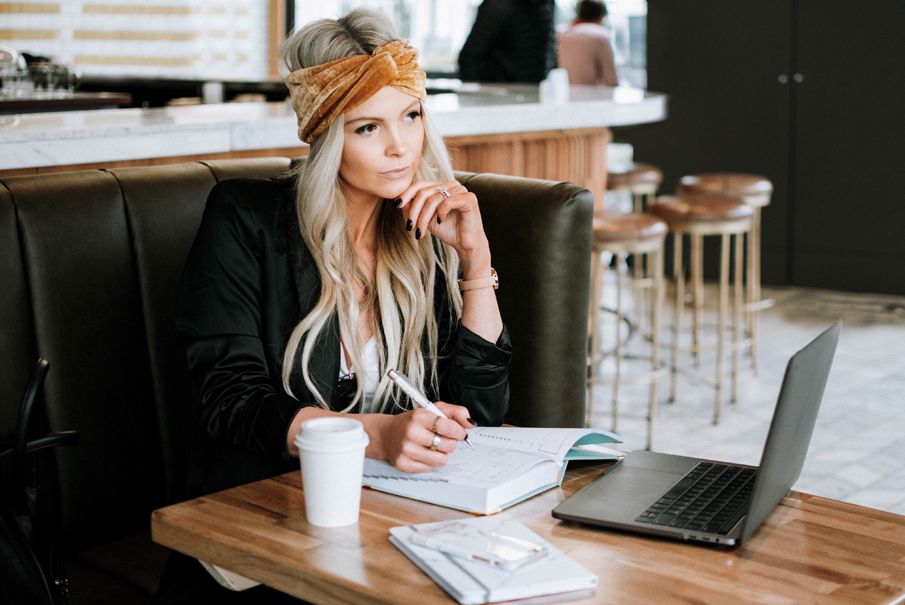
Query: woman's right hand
(407, 438)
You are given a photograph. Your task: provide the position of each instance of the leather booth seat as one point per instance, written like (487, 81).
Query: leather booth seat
(89, 266)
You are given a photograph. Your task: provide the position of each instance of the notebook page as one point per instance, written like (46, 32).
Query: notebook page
(551, 443)
(483, 467)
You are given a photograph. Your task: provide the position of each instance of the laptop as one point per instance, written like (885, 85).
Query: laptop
(713, 502)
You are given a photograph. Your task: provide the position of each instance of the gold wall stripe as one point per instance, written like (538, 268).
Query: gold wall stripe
(154, 61)
(29, 34)
(217, 10)
(218, 33)
(28, 7)
(140, 9)
(88, 34)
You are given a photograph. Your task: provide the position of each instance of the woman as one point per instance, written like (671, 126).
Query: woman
(353, 268)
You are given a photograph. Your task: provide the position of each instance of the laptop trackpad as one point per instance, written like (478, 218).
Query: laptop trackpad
(620, 495)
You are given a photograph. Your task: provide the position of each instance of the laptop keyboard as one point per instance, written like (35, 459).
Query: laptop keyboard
(710, 498)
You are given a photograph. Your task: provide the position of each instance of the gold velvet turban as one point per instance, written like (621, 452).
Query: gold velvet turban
(322, 92)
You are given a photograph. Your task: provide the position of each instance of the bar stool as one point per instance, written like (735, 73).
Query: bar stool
(697, 216)
(622, 234)
(641, 180)
(755, 191)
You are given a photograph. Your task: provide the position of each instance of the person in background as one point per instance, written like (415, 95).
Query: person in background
(585, 50)
(510, 41)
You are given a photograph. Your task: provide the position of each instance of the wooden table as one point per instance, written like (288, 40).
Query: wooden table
(809, 550)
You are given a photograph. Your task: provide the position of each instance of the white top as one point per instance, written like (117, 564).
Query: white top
(372, 371)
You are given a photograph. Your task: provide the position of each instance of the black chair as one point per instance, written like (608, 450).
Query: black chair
(32, 564)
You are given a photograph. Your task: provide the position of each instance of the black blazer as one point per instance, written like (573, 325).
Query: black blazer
(248, 281)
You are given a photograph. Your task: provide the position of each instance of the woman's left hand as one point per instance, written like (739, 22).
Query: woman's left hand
(454, 220)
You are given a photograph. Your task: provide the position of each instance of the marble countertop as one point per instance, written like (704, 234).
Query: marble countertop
(79, 137)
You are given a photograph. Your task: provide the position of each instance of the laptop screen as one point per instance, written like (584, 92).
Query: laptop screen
(792, 426)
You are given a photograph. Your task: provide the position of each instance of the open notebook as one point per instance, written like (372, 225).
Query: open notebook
(508, 465)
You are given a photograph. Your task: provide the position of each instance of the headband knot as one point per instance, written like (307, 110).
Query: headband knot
(320, 93)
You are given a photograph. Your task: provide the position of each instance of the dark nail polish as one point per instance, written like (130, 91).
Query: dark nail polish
(472, 422)
(438, 220)
(397, 202)
(417, 233)
(409, 225)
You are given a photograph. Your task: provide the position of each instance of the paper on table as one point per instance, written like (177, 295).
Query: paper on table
(483, 467)
(549, 443)
(470, 582)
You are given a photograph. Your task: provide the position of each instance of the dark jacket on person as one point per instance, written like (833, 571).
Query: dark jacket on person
(510, 41)
(248, 281)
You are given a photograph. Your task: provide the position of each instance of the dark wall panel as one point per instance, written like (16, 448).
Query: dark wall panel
(849, 200)
(719, 62)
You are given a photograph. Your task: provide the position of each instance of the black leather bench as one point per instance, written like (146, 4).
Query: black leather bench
(89, 267)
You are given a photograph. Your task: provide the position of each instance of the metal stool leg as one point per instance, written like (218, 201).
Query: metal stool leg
(655, 262)
(736, 315)
(721, 324)
(679, 274)
(621, 268)
(697, 277)
(754, 285)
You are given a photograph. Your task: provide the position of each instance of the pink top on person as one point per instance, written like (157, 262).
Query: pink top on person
(585, 52)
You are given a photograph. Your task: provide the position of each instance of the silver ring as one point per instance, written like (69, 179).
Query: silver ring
(436, 443)
(443, 191)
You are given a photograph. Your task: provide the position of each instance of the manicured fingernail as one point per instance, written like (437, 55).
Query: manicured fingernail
(472, 422)
(409, 225)
(438, 220)
(397, 202)
(417, 233)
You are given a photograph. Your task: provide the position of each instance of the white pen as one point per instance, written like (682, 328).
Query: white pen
(418, 397)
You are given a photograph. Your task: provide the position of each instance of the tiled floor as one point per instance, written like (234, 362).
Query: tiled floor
(857, 453)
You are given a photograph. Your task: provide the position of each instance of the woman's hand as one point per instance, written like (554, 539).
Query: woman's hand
(407, 438)
(454, 220)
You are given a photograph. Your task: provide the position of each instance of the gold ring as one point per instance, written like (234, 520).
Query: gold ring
(436, 442)
(434, 425)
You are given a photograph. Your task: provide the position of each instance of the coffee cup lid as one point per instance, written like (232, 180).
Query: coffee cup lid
(331, 434)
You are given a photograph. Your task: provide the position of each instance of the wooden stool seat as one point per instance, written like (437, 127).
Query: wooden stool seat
(640, 179)
(706, 214)
(752, 188)
(628, 230)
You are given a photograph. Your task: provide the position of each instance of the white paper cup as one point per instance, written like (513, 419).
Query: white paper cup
(332, 452)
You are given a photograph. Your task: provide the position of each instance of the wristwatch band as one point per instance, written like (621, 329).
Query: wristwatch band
(484, 282)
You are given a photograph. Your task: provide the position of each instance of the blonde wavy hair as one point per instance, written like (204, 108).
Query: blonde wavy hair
(400, 296)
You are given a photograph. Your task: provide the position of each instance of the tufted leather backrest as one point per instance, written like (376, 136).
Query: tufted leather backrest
(89, 266)
(540, 242)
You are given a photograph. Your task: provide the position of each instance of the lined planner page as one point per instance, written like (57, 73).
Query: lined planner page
(549, 443)
(483, 467)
